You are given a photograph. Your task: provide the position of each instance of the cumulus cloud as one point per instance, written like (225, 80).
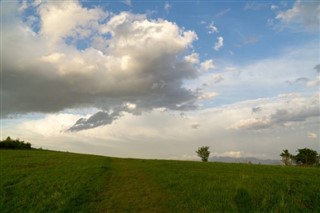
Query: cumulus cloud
(207, 65)
(218, 44)
(78, 22)
(305, 14)
(127, 58)
(193, 58)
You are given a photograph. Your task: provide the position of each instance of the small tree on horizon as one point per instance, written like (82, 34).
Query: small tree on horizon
(203, 152)
(306, 157)
(286, 157)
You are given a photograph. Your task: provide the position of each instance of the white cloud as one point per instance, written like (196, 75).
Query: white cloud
(128, 2)
(314, 83)
(207, 65)
(212, 28)
(252, 124)
(218, 44)
(167, 6)
(304, 14)
(23, 6)
(73, 20)
(294, 111)
(193, 58)
(312, 135)
(208, 95)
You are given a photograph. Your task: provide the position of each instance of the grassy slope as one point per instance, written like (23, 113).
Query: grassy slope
(45, 181)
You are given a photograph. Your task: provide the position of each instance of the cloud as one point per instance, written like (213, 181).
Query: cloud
(312, 135)
(314, 83)
(167, 6)
(317, 68)
(78, 22)
(252, 124)
(306, 81)
(195, 126)
(24, 5)
(98, 119)
(128, 2)
(156, 134)
(207, 65)
(103, 117)
(193, 58)
(136, 61)
(222, 13)
(217, 78)
(212, 28)
(218, 44)
(303, 14)
(208, 95)
(296, 111)
(256, 109)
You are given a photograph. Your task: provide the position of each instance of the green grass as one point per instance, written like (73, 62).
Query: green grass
(47, 181)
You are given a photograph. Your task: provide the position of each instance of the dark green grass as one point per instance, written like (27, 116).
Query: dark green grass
(46, 181)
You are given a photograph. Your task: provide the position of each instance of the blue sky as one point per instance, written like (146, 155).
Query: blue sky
(157, 79)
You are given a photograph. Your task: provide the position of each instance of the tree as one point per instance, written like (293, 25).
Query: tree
(203, 152)
(9, 143)
(306, 157)
(286, 157)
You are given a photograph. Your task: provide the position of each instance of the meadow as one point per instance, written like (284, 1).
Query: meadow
(49, 181)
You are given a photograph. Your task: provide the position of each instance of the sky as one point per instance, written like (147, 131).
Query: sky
(158, 79)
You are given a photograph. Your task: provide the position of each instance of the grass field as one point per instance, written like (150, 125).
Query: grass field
(47, 181)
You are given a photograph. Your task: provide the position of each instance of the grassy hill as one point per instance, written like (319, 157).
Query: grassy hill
(47, 181)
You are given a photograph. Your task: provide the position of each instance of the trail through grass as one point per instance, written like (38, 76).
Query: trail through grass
(46, 181)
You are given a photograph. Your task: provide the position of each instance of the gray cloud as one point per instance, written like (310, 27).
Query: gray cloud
(298, 80)
(280, 117)
(256, 109)
(136, 63)
(98, 119)
(317, 68)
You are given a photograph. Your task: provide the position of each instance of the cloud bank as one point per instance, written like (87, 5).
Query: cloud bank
(94, 59)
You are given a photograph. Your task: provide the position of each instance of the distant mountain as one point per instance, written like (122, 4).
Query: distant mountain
(245, 160)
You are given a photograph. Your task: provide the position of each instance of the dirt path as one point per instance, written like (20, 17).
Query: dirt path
(130, 189)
